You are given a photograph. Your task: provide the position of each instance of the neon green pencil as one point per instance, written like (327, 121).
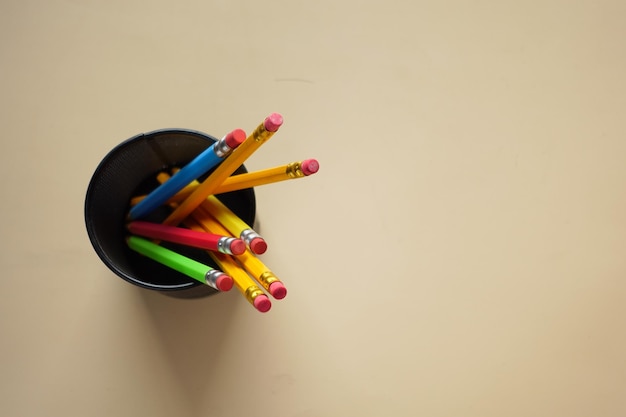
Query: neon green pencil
(190, 267)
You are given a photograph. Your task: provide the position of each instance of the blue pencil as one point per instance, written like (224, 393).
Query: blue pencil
(201, 164)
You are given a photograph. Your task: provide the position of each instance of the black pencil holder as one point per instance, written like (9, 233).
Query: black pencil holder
(130, 169)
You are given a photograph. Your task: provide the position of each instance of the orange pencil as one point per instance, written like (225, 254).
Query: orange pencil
(292, 170)
(261, 134)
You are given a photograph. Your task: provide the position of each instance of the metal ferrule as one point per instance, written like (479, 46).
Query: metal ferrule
(294, 170)
(247, 236)
(221, 148)
(267, 278)
(211, 277)
(260, 134)
(253, 292)
(223, 244)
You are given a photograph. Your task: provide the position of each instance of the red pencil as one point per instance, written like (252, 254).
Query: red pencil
(209, 241)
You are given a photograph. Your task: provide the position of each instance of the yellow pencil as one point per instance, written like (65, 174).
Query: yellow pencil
(234, 224)
(255, 267)
(241, 279)
(243, 282)
(293, 170)
(202, 219)
(261, 134)
(298, 169)
(262, 274)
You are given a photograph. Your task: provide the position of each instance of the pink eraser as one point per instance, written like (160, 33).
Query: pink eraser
(262, 303)
(273, 122)
(258, 246)
(237, 247)
(278, 290)
(235, 138)
(224, 283)
(310, 166)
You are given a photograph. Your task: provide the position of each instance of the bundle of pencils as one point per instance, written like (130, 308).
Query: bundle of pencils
(200, 220)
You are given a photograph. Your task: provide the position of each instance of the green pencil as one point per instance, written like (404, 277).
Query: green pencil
(190, 267)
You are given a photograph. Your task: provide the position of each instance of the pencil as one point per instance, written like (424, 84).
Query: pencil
(230, 220)
(203, 240)
(246, 286)
(235, 225)
(205, 161)
(261, 134)
(176, 198)
(192, 268)
(255, 267)
(208, 222)
(298, 169)
(263, 275)
(293, 170)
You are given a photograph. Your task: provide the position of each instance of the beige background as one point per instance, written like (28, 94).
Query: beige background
(460, 253)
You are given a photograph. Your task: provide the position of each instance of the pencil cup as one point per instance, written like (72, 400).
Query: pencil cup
(130, 169)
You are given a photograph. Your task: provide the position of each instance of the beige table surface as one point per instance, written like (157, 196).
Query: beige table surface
(461, 251)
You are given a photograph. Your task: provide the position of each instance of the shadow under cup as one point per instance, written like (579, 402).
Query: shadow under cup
(130, 169)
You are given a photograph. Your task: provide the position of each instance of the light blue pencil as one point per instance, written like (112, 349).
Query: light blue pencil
(201, 164)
